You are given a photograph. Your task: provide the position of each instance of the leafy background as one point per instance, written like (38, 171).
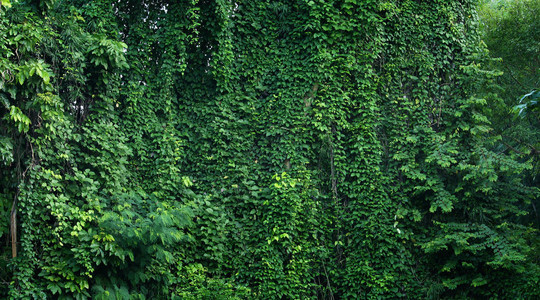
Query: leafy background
(216, 149)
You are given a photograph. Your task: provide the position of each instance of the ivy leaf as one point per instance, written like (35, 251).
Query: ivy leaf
(6, 3)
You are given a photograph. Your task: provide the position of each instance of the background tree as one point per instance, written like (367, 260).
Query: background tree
(511, 31)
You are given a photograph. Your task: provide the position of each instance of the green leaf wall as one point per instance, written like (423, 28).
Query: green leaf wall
(217, 149)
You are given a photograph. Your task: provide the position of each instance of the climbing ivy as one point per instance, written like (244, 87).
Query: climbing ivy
(219, 149)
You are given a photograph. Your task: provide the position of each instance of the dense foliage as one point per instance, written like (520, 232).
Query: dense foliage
(511, 31)
(218, 149)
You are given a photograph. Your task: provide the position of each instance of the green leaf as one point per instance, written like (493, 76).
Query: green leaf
(6, 3)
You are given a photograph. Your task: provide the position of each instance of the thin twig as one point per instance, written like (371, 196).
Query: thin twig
(512, 75)
(513, 149)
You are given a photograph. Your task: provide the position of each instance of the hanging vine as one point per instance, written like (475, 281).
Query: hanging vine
(219, 149)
